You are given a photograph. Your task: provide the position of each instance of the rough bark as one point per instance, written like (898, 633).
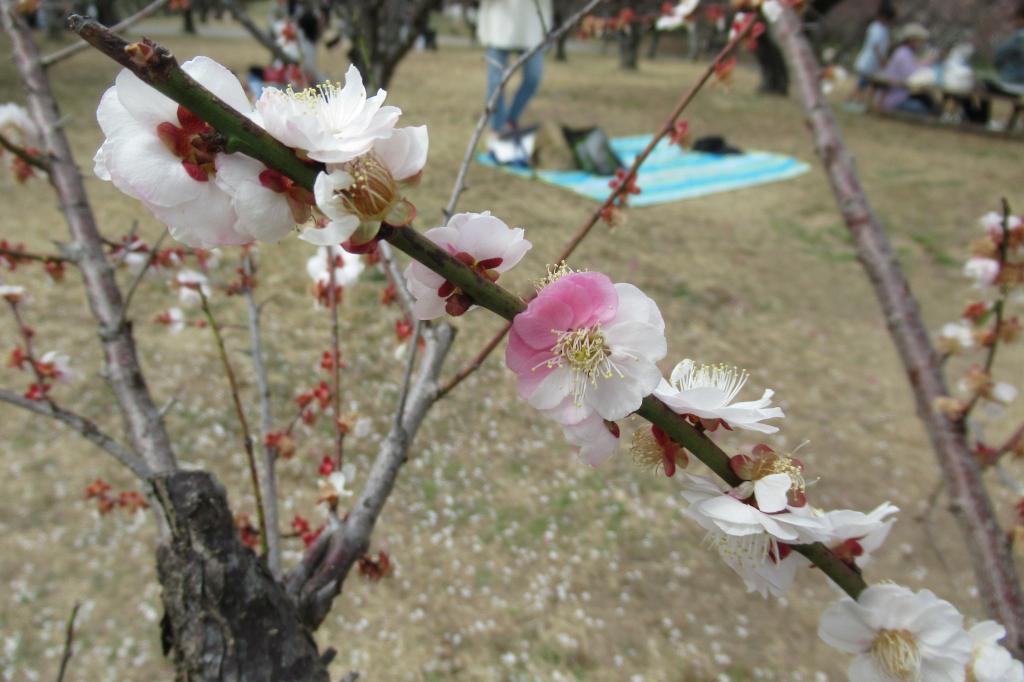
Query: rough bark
(987, 545)
(225, 618)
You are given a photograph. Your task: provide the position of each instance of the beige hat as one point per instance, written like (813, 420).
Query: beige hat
(913, 31)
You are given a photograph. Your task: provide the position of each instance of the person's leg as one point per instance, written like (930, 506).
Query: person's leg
(533, 71)
(496, 60)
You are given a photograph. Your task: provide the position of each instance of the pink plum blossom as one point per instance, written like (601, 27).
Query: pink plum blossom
(479, 240)
(584, 346)
(155, 151)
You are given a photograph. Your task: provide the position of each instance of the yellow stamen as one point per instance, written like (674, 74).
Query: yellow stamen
(897, 655)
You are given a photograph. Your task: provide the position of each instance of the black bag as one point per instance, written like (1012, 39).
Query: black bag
(715, 144)
(592, 151)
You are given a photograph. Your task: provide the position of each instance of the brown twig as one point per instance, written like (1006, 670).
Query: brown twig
(63, 53)
(987, 544)
(34, 160)
(1012, 442)
(41, 257)
(467, 158)
(69, 640)
(332, 305)
(268, 476)
(142, 273)
(26, 336)
(243, 423)
(583, 230)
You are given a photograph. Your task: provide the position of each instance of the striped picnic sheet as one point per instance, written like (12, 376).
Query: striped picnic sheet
(670, 174)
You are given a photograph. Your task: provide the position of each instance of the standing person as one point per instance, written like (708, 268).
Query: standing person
(905, 61)
(875, 51)
(507, 27)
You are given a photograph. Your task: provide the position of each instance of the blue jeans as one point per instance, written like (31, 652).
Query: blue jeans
(532, 71)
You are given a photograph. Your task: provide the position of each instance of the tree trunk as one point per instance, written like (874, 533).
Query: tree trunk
(225, 618)
(629, 46)
(774, 74)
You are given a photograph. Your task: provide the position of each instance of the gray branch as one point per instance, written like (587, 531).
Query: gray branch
(76, 47)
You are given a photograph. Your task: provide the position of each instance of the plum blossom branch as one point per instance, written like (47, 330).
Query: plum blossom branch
(69, 51)
(133, 287)
(69, 640)
(987, 545)
(16, 255)
(318, 577)
(617, 191)
(28, 157)
(268, 474)
(243, 423)
(467, 158)
(85, 428)
(333, 296)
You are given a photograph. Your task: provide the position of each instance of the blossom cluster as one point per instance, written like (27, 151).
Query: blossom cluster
(18, 129)
(173, 162)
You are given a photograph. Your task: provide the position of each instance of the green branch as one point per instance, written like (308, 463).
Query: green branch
(163, 73)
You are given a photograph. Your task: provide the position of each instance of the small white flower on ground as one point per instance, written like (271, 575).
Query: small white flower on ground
(898, 635)
(158, 153)
(479, 240)
(706, 393)
(189, 283)
(983, 271)
(991, 662)
(585, 345)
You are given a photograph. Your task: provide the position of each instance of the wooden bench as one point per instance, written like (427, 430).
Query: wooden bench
(950, 106)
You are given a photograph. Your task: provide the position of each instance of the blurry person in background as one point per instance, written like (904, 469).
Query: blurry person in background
(505, 28)
(905, 61)
(1009, 57)
(874, 53)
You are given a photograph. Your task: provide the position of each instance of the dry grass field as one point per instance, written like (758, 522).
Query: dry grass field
(513, 560)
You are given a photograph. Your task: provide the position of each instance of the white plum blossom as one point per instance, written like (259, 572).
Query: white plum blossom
(960, 334)
(991, 662)
(749, 540)
(155, 151)
(267, 205)
(57, 365)
(596, 439)
(174, 318)
(898, 635)
(329, 123)
(18, 128)
(677, 16)
(347, 267)
(992, 223)
(189, 283)
(855, 536)
(12, 293)
(585, 345)
(982, 270)
(339, 479)
(356, 196)
(481, 241)
(707, 392)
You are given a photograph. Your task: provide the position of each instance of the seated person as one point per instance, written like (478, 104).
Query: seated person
(903, 63)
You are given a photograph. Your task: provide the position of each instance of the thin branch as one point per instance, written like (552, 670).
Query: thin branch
(41, 257)
(85, 428)
(396, 279)
(31, 159)
(236, 399)
(69, 640)
(583, 230)
(1012, 442)
(26, 336)
(145, 427)
(268, 474)
(63, 53)
(986, 543)
(492, 102)
(403, 394)
(332, 309)
(142, 273)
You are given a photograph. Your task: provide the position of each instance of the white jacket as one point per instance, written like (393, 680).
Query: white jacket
(513, 24)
